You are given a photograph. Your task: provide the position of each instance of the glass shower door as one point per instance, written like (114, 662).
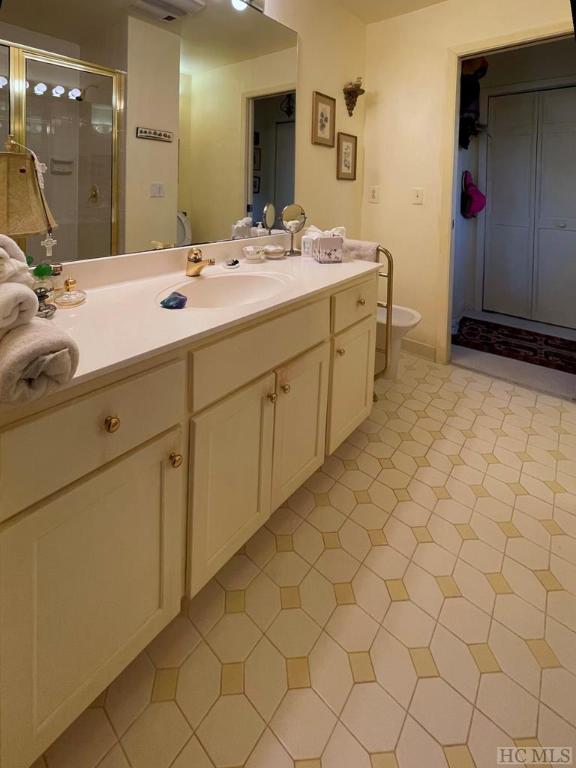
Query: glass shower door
(70, 126)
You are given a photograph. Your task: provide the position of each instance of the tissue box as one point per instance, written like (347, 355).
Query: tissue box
(328, 250)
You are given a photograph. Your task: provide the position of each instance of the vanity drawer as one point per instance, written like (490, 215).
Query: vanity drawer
(354, 304)
(48, 452)
(227, 365)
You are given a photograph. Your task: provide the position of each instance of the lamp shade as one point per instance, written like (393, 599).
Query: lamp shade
(23, 207)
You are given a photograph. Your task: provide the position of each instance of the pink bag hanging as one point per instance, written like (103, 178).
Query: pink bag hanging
(473, 201)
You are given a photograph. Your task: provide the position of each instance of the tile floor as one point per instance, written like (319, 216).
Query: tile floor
(414, 605)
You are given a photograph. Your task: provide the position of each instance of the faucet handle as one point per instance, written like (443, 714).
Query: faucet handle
(195, 255)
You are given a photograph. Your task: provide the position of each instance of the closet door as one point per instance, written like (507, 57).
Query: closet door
(555, 259)
(509, 251)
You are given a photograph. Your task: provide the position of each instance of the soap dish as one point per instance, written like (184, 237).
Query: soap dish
(253, 253)
(275, 252)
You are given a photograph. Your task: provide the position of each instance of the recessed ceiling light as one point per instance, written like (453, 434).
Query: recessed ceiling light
(239, 5)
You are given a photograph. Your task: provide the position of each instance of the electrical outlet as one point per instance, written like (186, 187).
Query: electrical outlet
(417, 196)
(374, 195)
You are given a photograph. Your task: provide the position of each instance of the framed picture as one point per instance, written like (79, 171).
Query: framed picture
(257, 159)
(323, 120)
(256, 183)
(347, 157)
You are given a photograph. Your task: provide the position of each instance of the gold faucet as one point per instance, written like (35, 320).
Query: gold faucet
(195, 263)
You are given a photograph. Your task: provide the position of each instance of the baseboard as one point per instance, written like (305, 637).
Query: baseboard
(419, 348)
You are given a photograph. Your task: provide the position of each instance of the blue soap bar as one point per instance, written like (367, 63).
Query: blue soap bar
(174, 301)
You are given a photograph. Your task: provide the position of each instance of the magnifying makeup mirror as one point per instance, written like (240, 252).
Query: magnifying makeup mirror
(269, 217)
(293, 220)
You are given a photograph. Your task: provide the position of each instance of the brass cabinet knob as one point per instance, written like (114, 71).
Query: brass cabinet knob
(286, 388)
(112, 424)
(361, 302)
(341, 352)
(273, 397)
(176, 460)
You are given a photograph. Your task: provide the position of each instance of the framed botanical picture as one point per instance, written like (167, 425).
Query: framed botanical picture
(347, 157)
(257, 159)
(323, 120)
(256, 184)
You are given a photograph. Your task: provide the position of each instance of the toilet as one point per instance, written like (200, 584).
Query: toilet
(184, 229)
(404, 320)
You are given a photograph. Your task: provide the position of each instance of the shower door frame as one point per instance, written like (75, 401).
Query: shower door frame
(19, 56)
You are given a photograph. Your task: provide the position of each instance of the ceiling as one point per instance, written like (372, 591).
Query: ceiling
(377, 10)
(219, 35)
(215, 37)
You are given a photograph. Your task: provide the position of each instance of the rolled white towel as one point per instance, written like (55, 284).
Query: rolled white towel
(12, 248)
(35, 360)
(18, 305)
(360, 249)
(13, 270)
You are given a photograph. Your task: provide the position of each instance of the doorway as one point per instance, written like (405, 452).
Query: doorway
(513, 266)
(272, 153)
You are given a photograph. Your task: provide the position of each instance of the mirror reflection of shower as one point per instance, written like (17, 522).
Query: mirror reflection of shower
(69, 124)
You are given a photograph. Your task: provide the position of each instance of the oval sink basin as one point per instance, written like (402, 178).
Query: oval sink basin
(234, 290)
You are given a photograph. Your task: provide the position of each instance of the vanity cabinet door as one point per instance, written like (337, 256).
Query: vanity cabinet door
(300, 429)
(231, 477)
(87, 579)
(352, 381)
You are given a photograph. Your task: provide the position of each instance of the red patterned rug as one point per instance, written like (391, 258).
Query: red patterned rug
(527, 346)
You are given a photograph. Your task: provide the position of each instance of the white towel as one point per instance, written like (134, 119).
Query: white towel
(18, 305)
(313, 231)
(13, 270)
(35, 360)
(12, 248)
(360, 249)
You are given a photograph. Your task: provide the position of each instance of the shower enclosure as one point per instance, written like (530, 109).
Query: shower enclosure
(69, 113)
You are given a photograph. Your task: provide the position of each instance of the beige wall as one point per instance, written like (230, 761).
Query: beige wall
(152, 102)
(331, 52)
(412, 80)
(213, 149)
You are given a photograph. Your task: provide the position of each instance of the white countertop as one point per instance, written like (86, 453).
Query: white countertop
(123, 323)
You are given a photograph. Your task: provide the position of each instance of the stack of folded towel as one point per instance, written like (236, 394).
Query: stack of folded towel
(36, 357)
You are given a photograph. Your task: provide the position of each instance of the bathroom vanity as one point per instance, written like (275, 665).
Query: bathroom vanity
(181, 434)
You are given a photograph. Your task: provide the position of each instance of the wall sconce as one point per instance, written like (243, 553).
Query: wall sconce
(352, 92)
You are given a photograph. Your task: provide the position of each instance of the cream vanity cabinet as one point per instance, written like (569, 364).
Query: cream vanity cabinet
(255, 448)
(92, 573)
(250, 453)
(352, 394)
(231, 463)
(173, 467)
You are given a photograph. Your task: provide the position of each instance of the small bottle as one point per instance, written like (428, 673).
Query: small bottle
(57, 279)
(71, 296)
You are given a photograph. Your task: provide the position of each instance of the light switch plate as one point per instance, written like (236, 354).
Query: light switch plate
(157, 189)
(417, 196)
(374, 195)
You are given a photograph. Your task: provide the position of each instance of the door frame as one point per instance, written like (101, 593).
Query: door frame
(248, 100)
(449, 164)
(534, 86)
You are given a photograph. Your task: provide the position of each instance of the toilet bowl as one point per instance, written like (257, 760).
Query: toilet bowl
(404, 320)
(184, 229)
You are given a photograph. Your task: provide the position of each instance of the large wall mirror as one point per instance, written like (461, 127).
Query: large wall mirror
(161, 122)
